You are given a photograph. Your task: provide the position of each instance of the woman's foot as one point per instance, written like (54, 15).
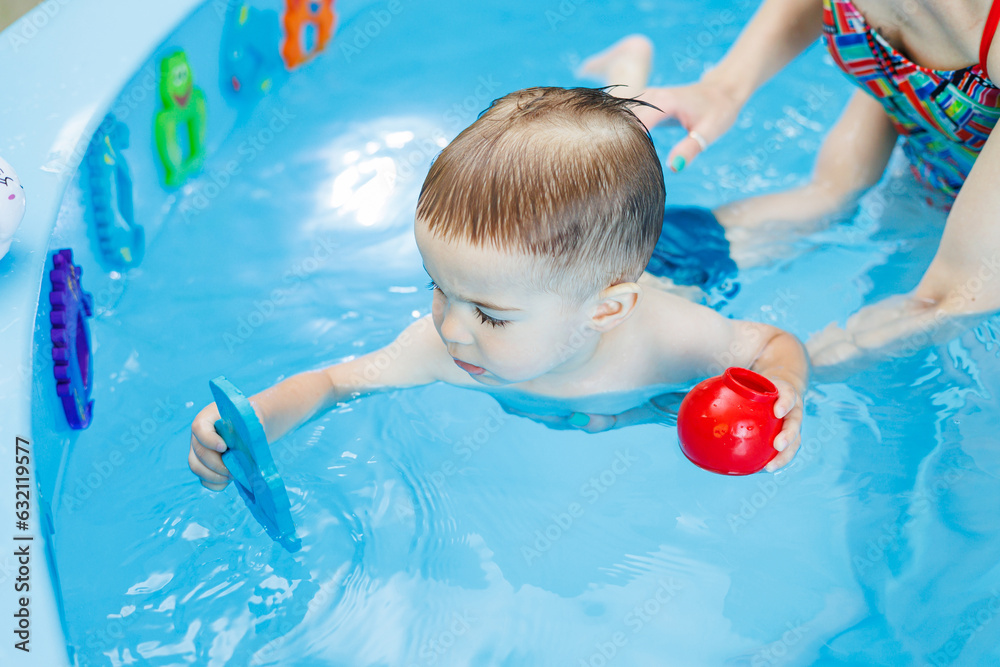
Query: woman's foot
(625, 64)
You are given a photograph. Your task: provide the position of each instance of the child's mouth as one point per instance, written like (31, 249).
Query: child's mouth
(469, 368)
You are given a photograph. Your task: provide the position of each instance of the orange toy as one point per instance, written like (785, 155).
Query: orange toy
(299, 15)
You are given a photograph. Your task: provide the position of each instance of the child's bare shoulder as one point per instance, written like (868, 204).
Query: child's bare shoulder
(683, 338)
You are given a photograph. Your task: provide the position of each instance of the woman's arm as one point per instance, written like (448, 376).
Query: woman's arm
(853, 157)
(778, 32)
(962, 282)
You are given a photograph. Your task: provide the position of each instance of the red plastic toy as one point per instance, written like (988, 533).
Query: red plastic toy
(726, 424)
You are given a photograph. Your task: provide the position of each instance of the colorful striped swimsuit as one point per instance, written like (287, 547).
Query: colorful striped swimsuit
(944, 117)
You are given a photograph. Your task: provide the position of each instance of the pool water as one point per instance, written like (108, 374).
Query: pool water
(438, 529)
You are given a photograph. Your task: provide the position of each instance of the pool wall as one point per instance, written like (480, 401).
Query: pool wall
(68, 64)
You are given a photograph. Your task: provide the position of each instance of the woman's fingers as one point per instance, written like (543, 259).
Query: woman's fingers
(682, 104)
(599, 423)
(664, 103)
(830, 346)
(688, 148)
(703, 111)
(836, 352)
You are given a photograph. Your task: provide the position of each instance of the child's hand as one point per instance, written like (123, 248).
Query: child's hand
(592, 423)
(574, 420)
(789, 407)
(207, 446)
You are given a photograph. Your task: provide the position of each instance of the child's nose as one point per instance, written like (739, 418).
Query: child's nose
(452, 328)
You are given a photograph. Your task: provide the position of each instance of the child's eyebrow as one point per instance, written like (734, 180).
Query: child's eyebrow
(490, 306)
(482, 304)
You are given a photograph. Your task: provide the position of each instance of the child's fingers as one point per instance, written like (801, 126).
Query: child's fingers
(592, 423)
(782, 459)
(788, 398)
(789, 435)
(213, 487)
(787, 441)
(203, 428)
(209, 438)
(207, 464)
(600, 423)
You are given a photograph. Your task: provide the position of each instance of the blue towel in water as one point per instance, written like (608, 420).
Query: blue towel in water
(693, 250)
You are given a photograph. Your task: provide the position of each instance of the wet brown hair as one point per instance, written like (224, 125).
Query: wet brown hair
(568, 175)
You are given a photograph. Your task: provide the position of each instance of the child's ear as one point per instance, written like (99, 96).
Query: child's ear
(615, 305)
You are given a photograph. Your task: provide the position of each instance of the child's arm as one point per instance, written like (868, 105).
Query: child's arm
(696, 342)
(689, 342)
(415, 358)
(783, 360)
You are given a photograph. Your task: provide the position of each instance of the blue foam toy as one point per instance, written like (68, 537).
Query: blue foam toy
(122, 242)
(249, 460)
(693, 250)
(251, 60)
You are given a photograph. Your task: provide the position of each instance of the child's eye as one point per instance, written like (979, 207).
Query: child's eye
(492, 321)
(432, 285)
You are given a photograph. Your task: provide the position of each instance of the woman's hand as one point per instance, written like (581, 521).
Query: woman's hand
(779, 31)
(704, 110)
(960, 287)
(897, 326)
(831, 346)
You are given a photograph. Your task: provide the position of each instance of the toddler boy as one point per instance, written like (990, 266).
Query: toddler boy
(535, 225)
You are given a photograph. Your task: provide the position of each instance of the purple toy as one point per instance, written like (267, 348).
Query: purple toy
(71, 339)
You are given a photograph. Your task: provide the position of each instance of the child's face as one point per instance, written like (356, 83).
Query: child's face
(496, 326)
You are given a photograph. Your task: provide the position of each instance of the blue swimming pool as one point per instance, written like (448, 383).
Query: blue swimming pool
(436, 528)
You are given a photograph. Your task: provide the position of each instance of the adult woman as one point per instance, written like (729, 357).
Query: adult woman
(922, 66)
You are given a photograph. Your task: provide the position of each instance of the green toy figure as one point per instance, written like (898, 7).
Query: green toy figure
(180, 126)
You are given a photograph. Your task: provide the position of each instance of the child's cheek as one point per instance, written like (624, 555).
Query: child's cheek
(437, 310)
(522, 353)
(496, 352)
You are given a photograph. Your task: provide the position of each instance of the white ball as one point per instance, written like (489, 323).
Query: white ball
(11, 205)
